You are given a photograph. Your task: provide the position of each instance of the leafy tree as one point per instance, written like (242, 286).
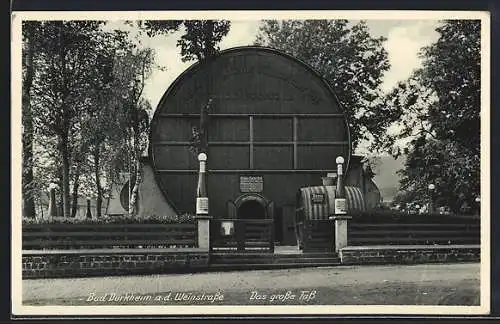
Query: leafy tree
(128, 119)
(347, 56)
(201, 37)
(438, 119)
(29, 49)
(407, 107)
(452, 68)
(46, 166)
(82, 108)
(69, 68)
(104, 126)
(116, 128)
(78, 163)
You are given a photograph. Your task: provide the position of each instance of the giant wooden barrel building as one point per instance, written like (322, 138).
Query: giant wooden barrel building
(275, 126)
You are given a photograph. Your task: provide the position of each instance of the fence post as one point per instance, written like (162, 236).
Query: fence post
(202, 210)
(203, 224)
(340, 217)
(340, 231)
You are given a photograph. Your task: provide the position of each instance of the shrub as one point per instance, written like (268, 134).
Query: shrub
(389, 216)
(122, 219)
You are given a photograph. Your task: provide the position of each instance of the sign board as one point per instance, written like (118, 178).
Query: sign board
(340, 206)
(317, 198)
(202, 206)
(251, 184)
(227, 228)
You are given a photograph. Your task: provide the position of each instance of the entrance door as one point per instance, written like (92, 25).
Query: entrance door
(251, 217)
(251, 209)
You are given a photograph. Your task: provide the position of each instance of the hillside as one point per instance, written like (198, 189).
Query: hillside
(386, 177)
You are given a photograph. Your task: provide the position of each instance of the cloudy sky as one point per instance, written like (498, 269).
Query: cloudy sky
(404, 39)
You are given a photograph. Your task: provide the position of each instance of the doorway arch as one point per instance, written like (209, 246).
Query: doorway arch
(252, 206)
(251, 209)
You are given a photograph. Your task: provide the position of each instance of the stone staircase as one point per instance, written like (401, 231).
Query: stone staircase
(254, 261)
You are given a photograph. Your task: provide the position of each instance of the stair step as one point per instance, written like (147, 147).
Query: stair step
(297, 261)
(247, 254)
(307, 260)
(258, 266)
(317, 254)
(242, 261)
(238, 254)
(275, 260)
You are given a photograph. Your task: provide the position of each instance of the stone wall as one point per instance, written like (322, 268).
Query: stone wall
(409, 254)
(74, 263)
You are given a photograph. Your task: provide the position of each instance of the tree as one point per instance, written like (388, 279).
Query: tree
(407, 107)
(46, 165)
(103, 122)
(78, 163)
(201, 37)
(347, 56)
(438, 119)
(452, 68)
(82, 107)
(129, 118)
(29, 50)
(68, 70)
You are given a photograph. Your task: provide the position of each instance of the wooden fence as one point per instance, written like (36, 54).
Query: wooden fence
(317, 235)
(88, 236)
(413, 230)
(242, 235)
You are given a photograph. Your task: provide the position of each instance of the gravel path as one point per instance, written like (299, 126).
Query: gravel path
(413, 284)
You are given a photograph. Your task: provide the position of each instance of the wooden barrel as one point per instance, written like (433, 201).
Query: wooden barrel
(318, 202)
(271, 118)
(355, 199)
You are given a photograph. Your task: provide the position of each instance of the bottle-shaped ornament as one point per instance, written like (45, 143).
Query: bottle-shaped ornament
(201, 191)
(340, 200)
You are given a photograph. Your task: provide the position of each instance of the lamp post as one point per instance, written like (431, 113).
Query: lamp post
(201, 191)
(340, 217)
(340, 199)
(431, 188)
(478, 205)
(202, 209)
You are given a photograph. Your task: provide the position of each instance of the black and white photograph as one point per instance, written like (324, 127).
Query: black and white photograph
(250, 162)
